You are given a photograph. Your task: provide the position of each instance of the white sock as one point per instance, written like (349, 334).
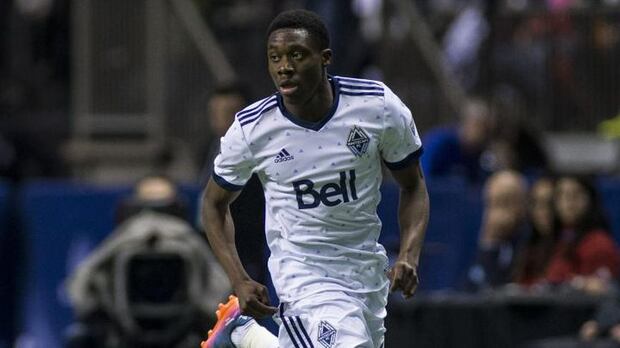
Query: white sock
(252, 335)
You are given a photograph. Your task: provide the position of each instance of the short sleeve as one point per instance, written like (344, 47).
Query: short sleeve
(234, 163)
(400, 145)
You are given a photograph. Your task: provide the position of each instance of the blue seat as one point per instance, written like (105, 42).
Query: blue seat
(452, 233)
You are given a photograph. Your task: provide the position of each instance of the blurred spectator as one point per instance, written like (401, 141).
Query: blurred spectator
(503, 225)
(596, 71)
(152, 283)
(520, 57)
(517, 147)
(34, 87)
(248, 210)
(223, 104)
(534, 254)
(462, 43)
(586, 257)
(36, 55)
(455, 151)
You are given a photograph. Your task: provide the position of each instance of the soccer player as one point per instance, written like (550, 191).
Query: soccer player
(317, 145)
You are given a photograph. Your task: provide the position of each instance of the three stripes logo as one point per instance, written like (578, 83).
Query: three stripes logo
(283, 156)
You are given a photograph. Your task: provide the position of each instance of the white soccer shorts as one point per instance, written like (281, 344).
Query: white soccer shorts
(333, 320)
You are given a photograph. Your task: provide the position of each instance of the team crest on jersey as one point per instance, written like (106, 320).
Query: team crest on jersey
(327, 334)
(358, 141)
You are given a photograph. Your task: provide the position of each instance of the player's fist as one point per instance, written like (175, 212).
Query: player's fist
(253, 299)
(404, 276)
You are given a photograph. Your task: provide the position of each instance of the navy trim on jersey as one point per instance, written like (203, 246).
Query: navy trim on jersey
(358, 87)
(404, 163)
(315, 126)
(258, 114)
(245, 112)
(378, 94)
(225, 184)
(355, 87)
(359, 81)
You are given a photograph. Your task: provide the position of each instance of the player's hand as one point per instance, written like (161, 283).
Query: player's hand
(254, 299)
(404, 276)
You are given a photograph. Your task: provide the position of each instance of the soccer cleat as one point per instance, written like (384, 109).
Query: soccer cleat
(228, 318)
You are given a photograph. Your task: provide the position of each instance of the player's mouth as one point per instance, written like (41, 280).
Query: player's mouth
(287, 88)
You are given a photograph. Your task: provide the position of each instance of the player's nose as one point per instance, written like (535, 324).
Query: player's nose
(286, 67)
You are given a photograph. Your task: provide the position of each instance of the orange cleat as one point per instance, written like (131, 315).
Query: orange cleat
(228, 318)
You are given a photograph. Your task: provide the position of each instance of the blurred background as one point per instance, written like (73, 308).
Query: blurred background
(96, 96)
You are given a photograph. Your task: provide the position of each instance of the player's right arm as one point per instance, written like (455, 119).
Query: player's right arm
(253, 296)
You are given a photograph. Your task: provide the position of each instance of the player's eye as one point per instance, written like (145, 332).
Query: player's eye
(297, 55)
(274, 58)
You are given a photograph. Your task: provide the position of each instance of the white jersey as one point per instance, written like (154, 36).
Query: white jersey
(321, 183)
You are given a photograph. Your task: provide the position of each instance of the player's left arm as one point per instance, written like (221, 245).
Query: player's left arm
(413, 215)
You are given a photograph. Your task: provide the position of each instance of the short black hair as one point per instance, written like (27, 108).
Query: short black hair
(302, 19)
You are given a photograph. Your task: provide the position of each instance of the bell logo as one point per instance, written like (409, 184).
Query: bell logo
(331, 194)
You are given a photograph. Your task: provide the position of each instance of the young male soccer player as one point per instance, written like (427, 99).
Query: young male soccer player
(317, 146)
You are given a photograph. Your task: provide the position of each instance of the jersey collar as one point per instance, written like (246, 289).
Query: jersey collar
(315, 126)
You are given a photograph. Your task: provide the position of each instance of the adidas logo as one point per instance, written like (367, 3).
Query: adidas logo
(283, 156)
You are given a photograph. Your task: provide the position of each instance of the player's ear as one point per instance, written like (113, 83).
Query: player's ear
(326, 57)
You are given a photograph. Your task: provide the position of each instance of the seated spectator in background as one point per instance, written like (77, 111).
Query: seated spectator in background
(534, 254)
(503, 225)
(586, 257)
(456, 150)
(516, 146)
(223, 104)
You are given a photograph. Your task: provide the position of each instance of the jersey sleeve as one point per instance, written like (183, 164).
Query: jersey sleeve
(400, 145)
(234, 164)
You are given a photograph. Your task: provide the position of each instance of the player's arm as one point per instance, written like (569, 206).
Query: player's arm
(253, 297)
(413, 217)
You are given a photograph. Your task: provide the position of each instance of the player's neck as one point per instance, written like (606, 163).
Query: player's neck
(315, 108)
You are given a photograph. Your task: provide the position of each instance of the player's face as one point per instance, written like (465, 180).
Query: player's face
(296, 64)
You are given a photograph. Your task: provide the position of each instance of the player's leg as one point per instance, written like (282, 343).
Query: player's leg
(233, 330)
(252, 335)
